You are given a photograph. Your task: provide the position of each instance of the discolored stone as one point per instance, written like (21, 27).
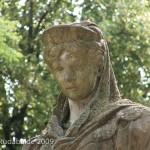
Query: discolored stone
(90, 114)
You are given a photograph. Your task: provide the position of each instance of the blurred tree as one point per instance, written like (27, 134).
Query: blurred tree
(10, 58)
(28, 91)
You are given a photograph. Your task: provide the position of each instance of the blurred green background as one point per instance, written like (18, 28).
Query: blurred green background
(27, 90)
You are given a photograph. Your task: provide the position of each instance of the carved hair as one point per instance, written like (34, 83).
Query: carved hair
(93, 50)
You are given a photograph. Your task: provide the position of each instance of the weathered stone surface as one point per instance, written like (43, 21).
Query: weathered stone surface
(90, 114)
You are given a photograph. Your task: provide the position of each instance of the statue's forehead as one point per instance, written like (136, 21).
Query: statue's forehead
(70, 48)
(73, 56)
(68, 58)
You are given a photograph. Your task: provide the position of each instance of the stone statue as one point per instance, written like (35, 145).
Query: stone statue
(90, 114)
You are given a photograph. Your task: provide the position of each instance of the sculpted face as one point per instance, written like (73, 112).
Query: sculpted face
(75, 73)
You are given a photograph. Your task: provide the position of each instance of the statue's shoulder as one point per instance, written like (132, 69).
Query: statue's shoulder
(46, 139)
(133, 111)
(134, 127)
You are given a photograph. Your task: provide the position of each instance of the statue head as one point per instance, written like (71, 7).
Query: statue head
(74, 54)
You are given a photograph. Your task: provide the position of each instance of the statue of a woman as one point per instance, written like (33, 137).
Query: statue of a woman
(90, 114)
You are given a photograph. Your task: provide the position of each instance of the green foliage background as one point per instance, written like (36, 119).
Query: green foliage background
(27, 90)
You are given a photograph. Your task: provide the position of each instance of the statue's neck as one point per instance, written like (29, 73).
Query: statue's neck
(76, 108)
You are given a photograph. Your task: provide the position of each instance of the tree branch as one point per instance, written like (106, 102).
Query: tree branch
(44, 15)
(40, 20)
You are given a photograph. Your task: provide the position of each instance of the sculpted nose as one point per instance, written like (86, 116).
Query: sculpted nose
(69, 75)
